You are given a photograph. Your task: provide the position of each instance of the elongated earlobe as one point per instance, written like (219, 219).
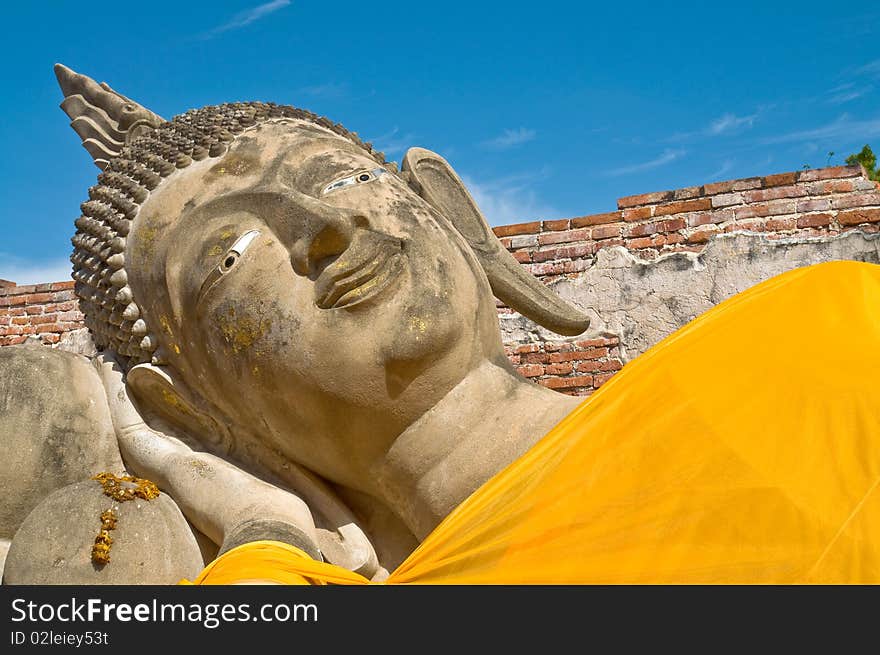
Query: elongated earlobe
(435, 180)
(160, 389)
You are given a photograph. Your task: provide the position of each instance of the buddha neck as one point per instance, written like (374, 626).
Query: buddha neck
(483, 424)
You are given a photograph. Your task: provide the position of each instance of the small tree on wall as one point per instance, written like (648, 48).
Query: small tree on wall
(868, 159)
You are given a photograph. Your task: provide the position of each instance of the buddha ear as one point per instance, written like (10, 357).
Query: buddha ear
(433, 179)
(104, 119)
(159, 390)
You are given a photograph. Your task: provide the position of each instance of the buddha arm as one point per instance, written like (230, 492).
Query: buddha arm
(227, 504)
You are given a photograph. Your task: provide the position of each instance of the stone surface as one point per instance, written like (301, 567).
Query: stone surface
(152, 543)
(55, 427)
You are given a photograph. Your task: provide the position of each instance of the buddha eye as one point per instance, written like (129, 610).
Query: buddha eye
(237, 250)
(228, 261)
(357, 178)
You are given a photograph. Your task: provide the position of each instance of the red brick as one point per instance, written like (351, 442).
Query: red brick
(732, 185)
(592, 343)
(553, 226)
(527, 348)
(25, 288)
(35, 309)
(522, 256)
(857, 200)
(687, 193)
(505, 241)
(518, 228)
(656, 241)
(701, 236)
(563, 346)
(856, 216)
(13, 341)
(60, 296)
(643, 230)
(700, 204)
(814, 220)
(780, 224)
(780, 179)
(43, 319)
(576, 265)
(570, 356)
(751, 225)
(50, 338)
(673, 225)
(593, 353)
(546, 268)
(695, 220)
(595, 219)
(727, 199)
(837, 186)
(608, 243)
(558, 369)
(530, 370)
(34, 298)
(576, 381)
(58, 286)
(605, 232)
(610, 365)
(602, 378)
(638, 213)
(567, 236)
(830, 173)
(813, 205)
(644, 199)
(775, 193)
(772, 208)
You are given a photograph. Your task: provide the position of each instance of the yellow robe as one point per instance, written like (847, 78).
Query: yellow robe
(744, 448)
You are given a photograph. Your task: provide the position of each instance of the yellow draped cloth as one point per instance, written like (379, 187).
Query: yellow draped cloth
(744, 448)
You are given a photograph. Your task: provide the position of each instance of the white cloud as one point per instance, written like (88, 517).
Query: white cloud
(393, 142)
(871, 68)
(23, 271)
(842, 128)
(730, 123)
(724, 169)
(511, 138)
(248, 16)
(667, 157)
(848, 94)
(510, 200)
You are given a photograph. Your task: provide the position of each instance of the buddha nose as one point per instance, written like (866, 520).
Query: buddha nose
(314, 232)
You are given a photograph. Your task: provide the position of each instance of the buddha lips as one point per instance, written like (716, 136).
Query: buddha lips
(114, 488)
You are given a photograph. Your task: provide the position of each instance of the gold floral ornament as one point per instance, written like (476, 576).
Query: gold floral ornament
(116, 488)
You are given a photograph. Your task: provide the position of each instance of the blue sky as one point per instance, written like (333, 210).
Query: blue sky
(548, 110)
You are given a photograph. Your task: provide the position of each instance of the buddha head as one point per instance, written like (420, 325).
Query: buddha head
(257, 266)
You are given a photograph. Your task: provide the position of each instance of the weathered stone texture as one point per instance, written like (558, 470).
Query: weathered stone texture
(52, 434)
(152, 542)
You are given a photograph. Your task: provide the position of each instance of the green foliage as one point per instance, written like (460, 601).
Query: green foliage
(868, 159)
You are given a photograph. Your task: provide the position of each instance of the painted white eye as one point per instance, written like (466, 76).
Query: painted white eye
(228, 262)
(357, 178)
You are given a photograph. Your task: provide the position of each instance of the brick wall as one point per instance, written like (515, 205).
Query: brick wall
(811, 203)
(43, 310)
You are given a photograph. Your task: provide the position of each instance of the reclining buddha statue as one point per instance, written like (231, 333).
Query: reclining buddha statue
(300, 377)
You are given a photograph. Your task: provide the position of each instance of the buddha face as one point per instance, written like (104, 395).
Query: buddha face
(297, 285)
